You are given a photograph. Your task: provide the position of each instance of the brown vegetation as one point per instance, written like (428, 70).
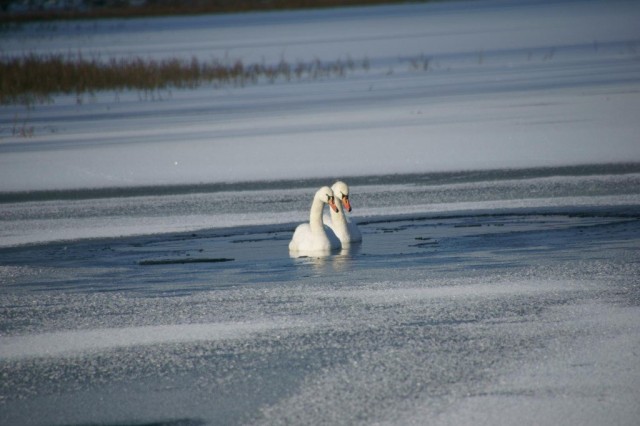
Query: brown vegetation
(34, 79)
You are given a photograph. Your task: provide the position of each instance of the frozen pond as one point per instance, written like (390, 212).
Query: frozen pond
(448, 86)
(492, 154)
(505, 304)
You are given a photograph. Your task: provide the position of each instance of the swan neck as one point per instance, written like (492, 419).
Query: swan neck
(315, 216)
(338, 216)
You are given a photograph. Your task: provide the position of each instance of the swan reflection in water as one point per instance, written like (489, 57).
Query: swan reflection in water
(338, 260)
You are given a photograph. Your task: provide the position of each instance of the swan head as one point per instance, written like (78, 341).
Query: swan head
(341, 191)
(325, 194)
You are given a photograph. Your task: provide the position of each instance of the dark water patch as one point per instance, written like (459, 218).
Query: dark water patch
(178, 422)
(259, 255)
(467, 225)
(425, 242)
(257, 240)
(425, 245)
(153, 262)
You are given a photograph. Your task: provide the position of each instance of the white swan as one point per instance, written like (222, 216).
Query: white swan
(312, 237)
(345, 229)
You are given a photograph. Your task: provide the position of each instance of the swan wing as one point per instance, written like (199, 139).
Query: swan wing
(300, 236)
(304, 240)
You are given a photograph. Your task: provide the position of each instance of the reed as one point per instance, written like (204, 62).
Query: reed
(35, 79)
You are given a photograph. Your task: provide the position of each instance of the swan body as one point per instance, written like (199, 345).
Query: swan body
(345, 229)
(313, 237)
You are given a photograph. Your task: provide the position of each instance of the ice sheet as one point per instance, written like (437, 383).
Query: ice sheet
(480, 296)
(196, 209)
(453, 318)
(72, 343)
(518, 85)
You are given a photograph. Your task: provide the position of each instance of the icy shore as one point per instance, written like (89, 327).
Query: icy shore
(450, 86)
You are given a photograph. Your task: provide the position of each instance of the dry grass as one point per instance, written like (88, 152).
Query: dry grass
(34, 79)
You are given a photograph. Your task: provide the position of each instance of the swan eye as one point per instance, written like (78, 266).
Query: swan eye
(329, 198)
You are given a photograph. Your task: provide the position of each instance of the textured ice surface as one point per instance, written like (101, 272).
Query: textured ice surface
(507, 85)
(460, 317)
(484, 297)
(101, 214)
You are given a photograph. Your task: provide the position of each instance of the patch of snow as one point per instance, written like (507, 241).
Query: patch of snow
(507, 86)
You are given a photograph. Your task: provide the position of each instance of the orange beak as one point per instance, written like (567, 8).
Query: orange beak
(346, 203)
(332, 204)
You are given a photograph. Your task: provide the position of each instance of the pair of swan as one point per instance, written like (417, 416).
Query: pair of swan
(322, 235)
